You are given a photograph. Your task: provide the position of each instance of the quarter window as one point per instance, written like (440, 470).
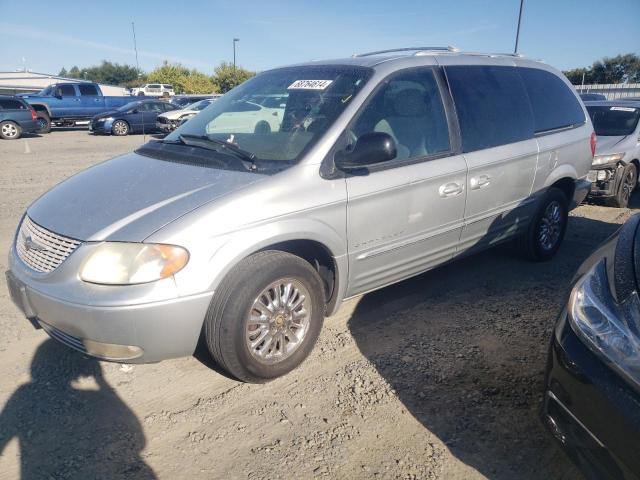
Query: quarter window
(9, 104)
(492, 105)
(554, 104)
(410, 109)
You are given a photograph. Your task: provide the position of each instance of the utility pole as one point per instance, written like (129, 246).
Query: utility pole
(518, 32)
(234, 52)
(135, 46)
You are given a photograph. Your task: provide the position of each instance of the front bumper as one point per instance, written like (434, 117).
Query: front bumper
(580, 192)
(100, 127)
(135, 332)
(608, 186)
(590, 410)
(167, 127)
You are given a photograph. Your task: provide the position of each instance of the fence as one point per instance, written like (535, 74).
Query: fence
(612, 90)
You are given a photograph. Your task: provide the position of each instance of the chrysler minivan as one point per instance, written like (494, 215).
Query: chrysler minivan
(380, 167)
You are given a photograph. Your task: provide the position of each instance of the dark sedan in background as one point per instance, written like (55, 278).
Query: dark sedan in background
(592, 398)
(16, 118)
(134, 117)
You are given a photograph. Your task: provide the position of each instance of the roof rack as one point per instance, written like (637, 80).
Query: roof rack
(418, 50)
(519, 55)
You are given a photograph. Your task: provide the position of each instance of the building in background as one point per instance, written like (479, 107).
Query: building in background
(12, 83)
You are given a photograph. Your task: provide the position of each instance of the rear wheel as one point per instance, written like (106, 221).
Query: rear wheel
(265, 317)
(626, 187)
(545, 233)
(120, 128)
(44, 122)
(10, 130)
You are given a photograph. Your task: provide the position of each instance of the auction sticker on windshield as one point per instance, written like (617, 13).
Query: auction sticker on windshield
(309, 84)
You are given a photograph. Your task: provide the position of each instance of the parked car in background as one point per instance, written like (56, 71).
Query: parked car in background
(134, 117)
(589, 97)
(154, 90)
(614, 173)
(167, 122)
(592, 397)
(62, 103)
(248, 237)
(184, 100)
(16, 118)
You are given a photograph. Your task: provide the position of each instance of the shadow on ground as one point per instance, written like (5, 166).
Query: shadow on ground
(67, 432)
(464, 347)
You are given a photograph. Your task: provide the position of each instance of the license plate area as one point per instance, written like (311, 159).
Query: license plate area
(18, 294)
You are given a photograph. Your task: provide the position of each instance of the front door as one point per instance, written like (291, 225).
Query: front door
(406, 215)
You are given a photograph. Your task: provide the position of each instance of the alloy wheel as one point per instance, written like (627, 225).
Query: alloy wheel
(550, 226)
(9, 130)
(278, 321)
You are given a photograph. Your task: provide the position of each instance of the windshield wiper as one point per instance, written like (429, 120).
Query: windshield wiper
(204, 141)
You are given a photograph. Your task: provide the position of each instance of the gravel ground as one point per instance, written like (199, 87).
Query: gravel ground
(438, 377)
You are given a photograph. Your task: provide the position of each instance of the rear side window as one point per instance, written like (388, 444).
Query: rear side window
(492, 105)
(89, 90)
(9, 104)
(554, 104)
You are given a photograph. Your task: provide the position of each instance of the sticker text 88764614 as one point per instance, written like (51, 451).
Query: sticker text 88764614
(309, 85)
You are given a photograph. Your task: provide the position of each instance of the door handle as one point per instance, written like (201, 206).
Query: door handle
(450, 189)
(479, 182)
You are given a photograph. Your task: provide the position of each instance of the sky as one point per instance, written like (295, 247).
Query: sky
(46, 36)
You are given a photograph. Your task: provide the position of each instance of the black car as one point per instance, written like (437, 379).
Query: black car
(134, 117)
(592, 97)
(16, 118)
(592, 397)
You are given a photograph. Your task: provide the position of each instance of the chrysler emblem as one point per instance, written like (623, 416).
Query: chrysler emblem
(30, 244)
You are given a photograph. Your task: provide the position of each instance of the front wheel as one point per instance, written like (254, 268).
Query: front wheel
(626, 187)
(265, 317)
(120, 128)
(44, 122)
(546, 231)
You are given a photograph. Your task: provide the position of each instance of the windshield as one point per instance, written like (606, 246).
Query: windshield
(197, 106)
(277, 114)
(128, 106)
(614, 121)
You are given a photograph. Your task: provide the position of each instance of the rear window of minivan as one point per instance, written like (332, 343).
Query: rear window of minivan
(492, 105)
(554, 104)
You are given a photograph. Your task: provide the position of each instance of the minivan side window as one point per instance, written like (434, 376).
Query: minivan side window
(554, 104)
(409, 108)
(492, 105)
(88, 90)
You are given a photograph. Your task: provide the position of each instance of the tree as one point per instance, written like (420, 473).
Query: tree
(618, 69)
(63, 72)
(106, 72)
(182, 79)
(226, 76)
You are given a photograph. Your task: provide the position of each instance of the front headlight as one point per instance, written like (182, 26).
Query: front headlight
(119, 263)
(610, 329)
(607, 159)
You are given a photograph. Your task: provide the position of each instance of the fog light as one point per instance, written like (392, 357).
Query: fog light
(603, 175)
(111, 351)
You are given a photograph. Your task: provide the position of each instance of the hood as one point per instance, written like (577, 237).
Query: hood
(607, 145)
(130, 197)
(109, 113)
(175, 114)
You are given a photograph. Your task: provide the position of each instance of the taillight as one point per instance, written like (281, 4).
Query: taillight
(594, 141)
(33, 114)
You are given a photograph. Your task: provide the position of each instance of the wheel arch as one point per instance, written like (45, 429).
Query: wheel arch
(41, 107)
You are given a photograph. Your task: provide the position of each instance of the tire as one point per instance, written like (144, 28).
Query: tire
(44, 122)
(120, 128)
(262, 127)
(626, 187)
(227, 328)
(10, 130)
(141, 94)
(551, 216)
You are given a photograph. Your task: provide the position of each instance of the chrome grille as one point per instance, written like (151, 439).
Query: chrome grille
(41, 249)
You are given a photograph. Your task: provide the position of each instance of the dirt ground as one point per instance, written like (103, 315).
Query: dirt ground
(438, 377)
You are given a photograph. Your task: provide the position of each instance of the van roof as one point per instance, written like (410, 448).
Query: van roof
(371, 59)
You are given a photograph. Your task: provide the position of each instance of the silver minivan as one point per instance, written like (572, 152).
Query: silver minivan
(304, 186)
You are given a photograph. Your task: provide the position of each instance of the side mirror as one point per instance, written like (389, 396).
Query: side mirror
(370, 149)
(135, 110)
